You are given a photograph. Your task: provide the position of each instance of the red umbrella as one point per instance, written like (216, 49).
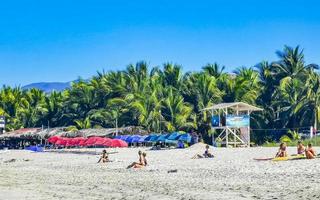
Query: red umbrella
(77, 140)
(100, 141)
(92, 141)
(82, 143)
(61, 141)
(71, 142)
(53, 139)
(107, 142)
(118, 143)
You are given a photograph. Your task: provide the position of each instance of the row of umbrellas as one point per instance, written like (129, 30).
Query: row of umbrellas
(86, 142)
(167, 138)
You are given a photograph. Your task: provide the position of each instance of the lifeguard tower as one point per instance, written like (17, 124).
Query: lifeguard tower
(232, 121)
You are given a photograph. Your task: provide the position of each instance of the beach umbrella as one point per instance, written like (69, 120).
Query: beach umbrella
(162, 137)
(185, 137)
(118, 143)
(173, 136)
(142, 139)
(118, 137)
(148, 137)
(53, 139)
(72, 142)
(82, 143)
(102, 141)
(91, 141)
(77, 140)
(61, 141)
(136, 139)
(133, 139)
(107, 142)
(124, 137)
(154, 138)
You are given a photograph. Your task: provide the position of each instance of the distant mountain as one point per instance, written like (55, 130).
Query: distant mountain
(48, 86)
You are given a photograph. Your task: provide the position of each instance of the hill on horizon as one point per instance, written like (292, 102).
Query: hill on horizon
(48, 86)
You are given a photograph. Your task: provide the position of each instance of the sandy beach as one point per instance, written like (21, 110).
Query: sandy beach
(232, 174)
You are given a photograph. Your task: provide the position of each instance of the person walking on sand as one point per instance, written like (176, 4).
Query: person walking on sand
(282, 152)
(104, 157)
(310, 153)
(300, 148)
(140, 163)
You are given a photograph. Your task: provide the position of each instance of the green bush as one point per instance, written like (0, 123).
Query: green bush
(285, 139)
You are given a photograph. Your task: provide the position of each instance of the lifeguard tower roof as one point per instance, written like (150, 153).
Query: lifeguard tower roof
(237, 106)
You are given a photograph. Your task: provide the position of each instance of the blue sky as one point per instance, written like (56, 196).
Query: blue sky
(61, 40)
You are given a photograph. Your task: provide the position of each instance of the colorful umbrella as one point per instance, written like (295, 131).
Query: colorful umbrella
(107, 142)
(61, 141)
(118, 143)
(185, 137)
(91, 141)
(53, 139)
(133, 139)
(78, 140)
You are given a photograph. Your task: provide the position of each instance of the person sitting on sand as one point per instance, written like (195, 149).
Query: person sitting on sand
(140, 163)
(282, 150)
(144, 155)
(206, 154)
(310, 153)
(300, 148)
(104, 157)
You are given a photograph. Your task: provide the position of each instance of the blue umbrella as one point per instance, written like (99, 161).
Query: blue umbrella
(173, 136)
(185, 137)
(124, 137)
(118, 137)
(142, 139)
(153, 138)
(132, 138)
(135, 139)
(162, 137)
(147, 139)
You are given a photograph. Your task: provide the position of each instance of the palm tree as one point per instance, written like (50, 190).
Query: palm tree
(214, 70)
(53, 105)
(176, 112)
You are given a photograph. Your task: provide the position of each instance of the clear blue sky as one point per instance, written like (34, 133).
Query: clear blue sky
(61, 40)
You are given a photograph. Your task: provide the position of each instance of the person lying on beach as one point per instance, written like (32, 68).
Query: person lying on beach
(300, 148)
(282, 152)
(141, 161)
(206, 154)
(310, 153)
(104, 157)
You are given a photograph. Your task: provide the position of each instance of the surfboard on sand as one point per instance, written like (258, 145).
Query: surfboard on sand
(262, 159)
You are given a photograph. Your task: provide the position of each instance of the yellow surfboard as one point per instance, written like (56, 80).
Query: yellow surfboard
(289, 158)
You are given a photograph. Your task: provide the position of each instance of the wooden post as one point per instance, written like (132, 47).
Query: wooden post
(249, 129)
(227, 131)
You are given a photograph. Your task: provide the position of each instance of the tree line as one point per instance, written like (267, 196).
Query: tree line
(165, 99)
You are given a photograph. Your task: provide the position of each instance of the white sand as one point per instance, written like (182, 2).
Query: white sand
(232, 174)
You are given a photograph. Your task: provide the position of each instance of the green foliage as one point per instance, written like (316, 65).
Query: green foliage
(314, 141)
(285, 139)
(294, 135)
(166, 99)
